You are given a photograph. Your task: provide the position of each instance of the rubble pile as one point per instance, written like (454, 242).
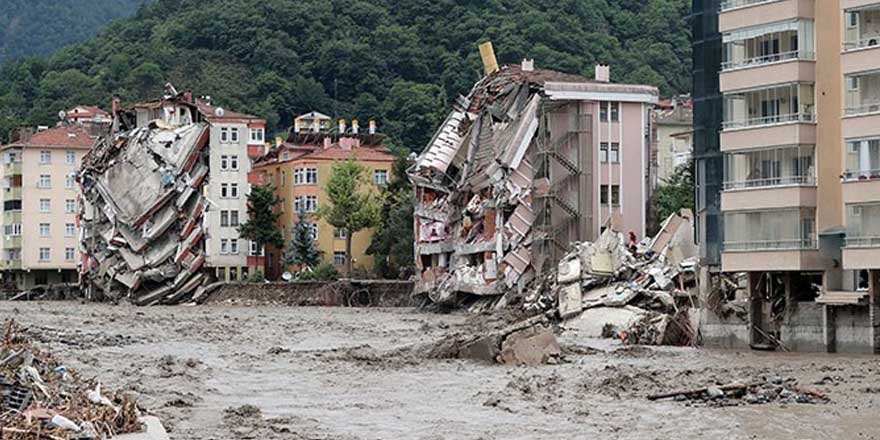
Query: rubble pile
(652, 284)
(767, 390)
(40, 398)
(142, 209)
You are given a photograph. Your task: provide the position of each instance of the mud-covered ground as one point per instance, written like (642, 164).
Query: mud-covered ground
(220, 372)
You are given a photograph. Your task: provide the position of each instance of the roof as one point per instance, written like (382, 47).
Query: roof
(86, 111)
(313, 115)
(334, 152)
(59, 137)
(210, 112)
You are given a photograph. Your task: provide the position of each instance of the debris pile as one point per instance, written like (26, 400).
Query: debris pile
(772, 389)
(142, 209)
(40, 398)
(529, 342)
(639, 292)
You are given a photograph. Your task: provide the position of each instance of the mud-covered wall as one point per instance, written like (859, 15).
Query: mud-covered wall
(853, 330)
(373, 293)
(729, 332)
(804, 329)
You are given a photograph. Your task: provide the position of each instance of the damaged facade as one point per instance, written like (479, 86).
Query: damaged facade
(147, 207)
(529, 162)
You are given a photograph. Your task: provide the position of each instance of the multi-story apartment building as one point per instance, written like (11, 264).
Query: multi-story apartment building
(673, 120)
(299, 169)
(40, 243)
(800, 139)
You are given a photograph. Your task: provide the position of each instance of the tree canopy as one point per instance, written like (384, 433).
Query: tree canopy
(397, 62)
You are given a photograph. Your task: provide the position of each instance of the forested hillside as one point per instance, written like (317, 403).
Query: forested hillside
(39, 27)
(397, 61)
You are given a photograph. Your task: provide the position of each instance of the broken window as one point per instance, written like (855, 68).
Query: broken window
(70, 206)
(69, 254)
(339, 258)
(45, 205)
(44, 229)
(45, 157)
(69, 230)
(44, 254)
(45, 181)
(70, 157)
(380, 177)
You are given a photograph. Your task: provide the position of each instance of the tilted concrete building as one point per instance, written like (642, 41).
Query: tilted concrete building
(801, 142)
(529, 162)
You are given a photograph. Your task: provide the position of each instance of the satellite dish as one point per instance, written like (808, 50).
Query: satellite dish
(287, 276)
(219, 112)
(62, 114)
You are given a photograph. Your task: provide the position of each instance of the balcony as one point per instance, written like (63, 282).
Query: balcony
(737, 14)
(12, 169)
(776, 52)
(773, 167)
(862, 176)
(862, 249)
(773, 239)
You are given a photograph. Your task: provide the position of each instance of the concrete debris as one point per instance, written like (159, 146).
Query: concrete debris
(143, 209)
(527, 342)
(639, 294)
(766, 390)
(42, 398)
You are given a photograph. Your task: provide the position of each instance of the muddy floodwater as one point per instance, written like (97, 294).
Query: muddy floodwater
(222, 372)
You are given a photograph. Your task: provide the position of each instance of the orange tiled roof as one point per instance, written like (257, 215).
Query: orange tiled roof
(60, 137)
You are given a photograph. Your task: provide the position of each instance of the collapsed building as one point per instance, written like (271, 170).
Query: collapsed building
(144, 208)
(528, 162)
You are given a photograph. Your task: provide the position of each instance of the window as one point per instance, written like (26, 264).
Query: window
(44, 254)
(313, 229)
(69, 254)
(233, 246)
(308, 204)
(45, 205)
(233, 135)
(256, 135)
(339, 258)
(70, 181)
(380, 177)
(70, 206)
(229, 190)
(615, 195)
(614, 154)
(255, 251)
(305, 176)
(604, 108)
(45, 181)
(224, 246)
(45, 157)
(852, 83)
(224, 134)
(229, 162)
(13, 230)
(615, 111)
(340, 234)
(233, 273)
(224, 219)
(44, 229)
(603, 152)
(233, 218)
(69, 230)
(70, 157)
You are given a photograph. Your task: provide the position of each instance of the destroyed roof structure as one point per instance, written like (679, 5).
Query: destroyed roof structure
(142, 207)
(528, 162)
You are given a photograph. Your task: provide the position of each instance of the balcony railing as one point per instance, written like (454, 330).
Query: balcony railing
(727, 5)
(858, 175)
(862, 109)
(770, 182)
(871, 41)
(863, 242)
(769, 120)
(768, 245)
(767, 59)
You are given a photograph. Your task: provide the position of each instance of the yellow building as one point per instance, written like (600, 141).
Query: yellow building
(299, 169)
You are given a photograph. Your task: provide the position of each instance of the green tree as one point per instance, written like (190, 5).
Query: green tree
(392, 244)
(262, 224)
(675, 193)
(351, 204)
(302, 251)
